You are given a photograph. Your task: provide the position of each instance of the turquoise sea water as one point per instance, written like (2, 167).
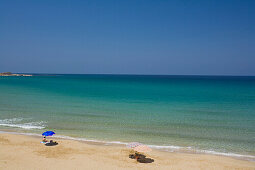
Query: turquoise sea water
(192, 113)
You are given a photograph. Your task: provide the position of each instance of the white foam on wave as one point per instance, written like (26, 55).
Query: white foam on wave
(16, 123)
(91, 140)
(249, 157)
(11, 120)
(169, 148)
(199, 151)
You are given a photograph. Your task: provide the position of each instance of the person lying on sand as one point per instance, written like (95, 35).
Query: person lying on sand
(51, 143)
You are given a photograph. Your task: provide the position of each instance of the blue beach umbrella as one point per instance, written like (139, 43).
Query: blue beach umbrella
(48, 133)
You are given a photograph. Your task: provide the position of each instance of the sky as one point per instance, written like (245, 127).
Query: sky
(172, 37)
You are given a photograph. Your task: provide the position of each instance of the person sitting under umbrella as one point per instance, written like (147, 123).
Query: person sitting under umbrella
(44, 139)
(48, 133)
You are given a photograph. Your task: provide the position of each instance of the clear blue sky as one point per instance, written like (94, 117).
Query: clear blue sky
(206, 37)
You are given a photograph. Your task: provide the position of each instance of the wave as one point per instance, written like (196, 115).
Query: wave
(199, 151)
(168, 148)
(17, 123)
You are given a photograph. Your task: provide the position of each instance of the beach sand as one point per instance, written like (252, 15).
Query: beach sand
(26, 152)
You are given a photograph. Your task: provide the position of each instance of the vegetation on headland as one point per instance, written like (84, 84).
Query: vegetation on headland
(11, 74)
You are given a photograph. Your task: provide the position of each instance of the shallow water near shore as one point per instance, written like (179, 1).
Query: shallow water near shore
(195, 113)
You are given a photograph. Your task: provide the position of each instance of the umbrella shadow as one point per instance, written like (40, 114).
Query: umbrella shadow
(141, 158)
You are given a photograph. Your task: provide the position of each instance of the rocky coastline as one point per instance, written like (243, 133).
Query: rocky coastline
(12, 74)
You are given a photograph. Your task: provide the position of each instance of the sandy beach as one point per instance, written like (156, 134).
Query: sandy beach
(26, 152)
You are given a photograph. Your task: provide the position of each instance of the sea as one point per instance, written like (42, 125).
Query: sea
(194, 114)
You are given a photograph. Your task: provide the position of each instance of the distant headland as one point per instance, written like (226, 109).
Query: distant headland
(11, 74)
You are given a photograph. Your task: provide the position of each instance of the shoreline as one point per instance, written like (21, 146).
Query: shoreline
(26, 152)
(173, 149)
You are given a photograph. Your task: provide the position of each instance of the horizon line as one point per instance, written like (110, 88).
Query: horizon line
(137, 74)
